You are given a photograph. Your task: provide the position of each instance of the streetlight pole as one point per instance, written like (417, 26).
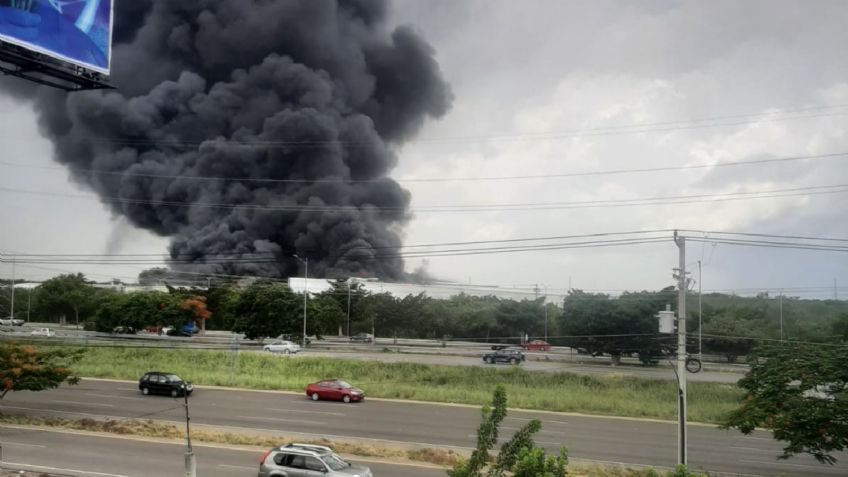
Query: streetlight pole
(12, 316)
(781, 315)
(348, 307)
(699, 310)
(190, 459)
(305, 261)
(545, 304)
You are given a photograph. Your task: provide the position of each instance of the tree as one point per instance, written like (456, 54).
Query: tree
(195, 310)
(519, 454)
(26, 368)
(268, 309)
(800, 393)
(600, 324)
(66, 296)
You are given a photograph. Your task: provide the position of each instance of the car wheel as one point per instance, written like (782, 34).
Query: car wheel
(267, 349)
(513, 360)
(346, 398)
(314, 396)
(174, 393)
(490, 360)
(145, 391)
(287, 351)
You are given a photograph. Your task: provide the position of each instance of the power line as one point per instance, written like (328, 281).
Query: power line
(634, 128)
(646, 201)
(438, 179)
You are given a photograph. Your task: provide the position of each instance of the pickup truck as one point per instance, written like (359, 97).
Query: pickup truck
(46, 332)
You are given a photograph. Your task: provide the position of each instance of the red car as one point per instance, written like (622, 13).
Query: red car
(536, 345)
(334, 389)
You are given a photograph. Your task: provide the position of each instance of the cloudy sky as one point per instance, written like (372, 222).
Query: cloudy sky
(555, 87)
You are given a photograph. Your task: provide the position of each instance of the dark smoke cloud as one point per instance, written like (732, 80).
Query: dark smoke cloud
(312, 90)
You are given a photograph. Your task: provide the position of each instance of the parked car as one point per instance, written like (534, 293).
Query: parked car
(508, 355)
(334, 389)
(46, 332)
(123, 330)
(282, 346)
(11, 322)
(536, 345)
(307, 460)
(158, 382)
(362, 338)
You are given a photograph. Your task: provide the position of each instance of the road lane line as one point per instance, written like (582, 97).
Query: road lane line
(60, 469)
(806, 466)
(309, 412)
(236, 466)
(543, 420)
(114, 397)
(83, 403)
(263, 418)
(10, 443)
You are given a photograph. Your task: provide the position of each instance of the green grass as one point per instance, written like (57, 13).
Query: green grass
(605, 395)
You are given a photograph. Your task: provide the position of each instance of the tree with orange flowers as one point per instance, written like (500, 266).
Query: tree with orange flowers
(27, 368)
(195, 306)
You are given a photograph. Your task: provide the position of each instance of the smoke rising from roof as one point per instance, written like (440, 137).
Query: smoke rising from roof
(315, 92)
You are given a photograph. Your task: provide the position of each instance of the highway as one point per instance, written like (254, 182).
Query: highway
(94, 456)
(627, 441)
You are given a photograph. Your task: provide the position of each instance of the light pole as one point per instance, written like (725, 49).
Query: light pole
(545, 304)
(305, 261)
(12, 315)
(348, 307)
(699, 310)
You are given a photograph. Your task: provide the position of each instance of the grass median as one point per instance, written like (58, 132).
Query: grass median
(604, 395)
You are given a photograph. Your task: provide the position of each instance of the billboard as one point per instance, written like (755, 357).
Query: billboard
(76, 31)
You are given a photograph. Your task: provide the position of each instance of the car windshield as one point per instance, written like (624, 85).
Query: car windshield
(335, 462)
(173, 377)
(344, 384)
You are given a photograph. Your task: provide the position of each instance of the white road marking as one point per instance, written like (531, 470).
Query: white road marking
(112, 396)
(543, 420)
(308, 412)
(236, 466)
(757, 449)
(817, 467)
(263, 418)
(60, 469)
(9, 443)
(83, 403)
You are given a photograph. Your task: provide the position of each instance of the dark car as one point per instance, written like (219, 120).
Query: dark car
(508, 355)
(334, 389)
(158, 382)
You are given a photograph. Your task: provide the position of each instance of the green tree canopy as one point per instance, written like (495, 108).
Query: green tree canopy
(800, 393)
(268, 309)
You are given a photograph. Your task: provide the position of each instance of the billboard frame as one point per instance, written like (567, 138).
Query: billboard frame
(48, 70)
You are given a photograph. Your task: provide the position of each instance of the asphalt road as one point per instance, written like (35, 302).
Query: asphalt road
(94, 456)
(625, 441)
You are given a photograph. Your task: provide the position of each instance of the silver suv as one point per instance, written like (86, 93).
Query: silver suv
(304, 460)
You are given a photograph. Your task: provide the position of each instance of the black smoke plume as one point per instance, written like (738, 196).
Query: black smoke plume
(298, 104)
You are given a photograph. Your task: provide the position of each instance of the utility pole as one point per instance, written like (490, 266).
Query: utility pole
(348, 307)
(29, 303)
(12, 316)
(700, 356)
(681, 350)
(835, 295)
(780, 300)
(305, 294)
(190, 459)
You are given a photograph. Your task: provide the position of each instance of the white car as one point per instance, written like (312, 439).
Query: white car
(285, 347)
(11, 322)
(43, 332)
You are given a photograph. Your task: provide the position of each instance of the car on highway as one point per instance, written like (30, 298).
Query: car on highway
(334, 389)
(305, 460)
(158, 382)
(536, 345)
(46, 332)
(508, 355)
(362, 338)
(282, 346)
(123, 330)
(11, 322)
